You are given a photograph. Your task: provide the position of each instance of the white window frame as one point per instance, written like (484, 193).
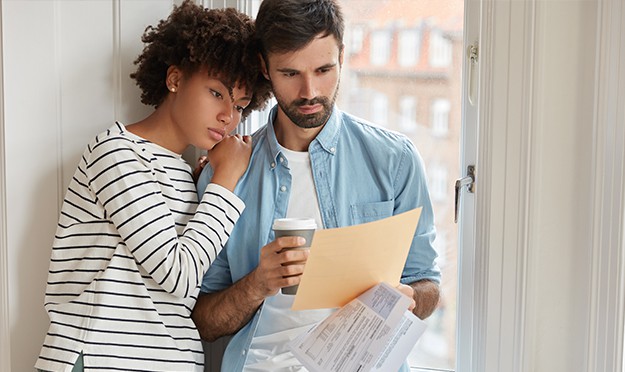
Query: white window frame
(497, 326)
(607, 299)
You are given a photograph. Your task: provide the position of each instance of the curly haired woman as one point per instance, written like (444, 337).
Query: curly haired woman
(133, 241)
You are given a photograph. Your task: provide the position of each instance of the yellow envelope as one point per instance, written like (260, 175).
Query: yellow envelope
(345, 262)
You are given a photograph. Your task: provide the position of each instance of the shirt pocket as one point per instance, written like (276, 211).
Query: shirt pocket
(368, 212)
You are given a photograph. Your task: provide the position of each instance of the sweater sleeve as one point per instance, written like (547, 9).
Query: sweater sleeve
(124, 184)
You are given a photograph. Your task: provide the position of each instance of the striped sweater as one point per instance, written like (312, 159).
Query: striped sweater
(128, 257)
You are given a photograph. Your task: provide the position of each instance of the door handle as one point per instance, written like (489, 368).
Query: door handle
(468, 180)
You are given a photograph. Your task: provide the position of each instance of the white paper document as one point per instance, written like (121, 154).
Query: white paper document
(373, 332)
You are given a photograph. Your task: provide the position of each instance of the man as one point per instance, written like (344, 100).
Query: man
(310, 160)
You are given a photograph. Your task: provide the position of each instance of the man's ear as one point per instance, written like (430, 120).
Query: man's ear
(263, 67)
(342, 49)
(174, 75)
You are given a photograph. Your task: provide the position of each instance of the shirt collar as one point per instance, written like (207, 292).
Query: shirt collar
(327, 138)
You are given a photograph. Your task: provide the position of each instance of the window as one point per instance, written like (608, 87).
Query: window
(440, 49)
(403, 86)
(438, 183)
(380, 47)
(373, 86)
(408, 114)
(356, 38)
(440, 117)
(380, 109)
(409, 47)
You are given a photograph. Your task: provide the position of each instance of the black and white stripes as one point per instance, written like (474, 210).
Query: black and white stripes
(129, 254)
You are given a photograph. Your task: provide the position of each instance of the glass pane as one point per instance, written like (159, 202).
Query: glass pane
(402, 70)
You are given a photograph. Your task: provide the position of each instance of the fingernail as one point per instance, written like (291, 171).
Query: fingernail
(301, 241)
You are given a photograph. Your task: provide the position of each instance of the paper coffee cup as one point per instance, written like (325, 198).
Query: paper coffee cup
(304, 227)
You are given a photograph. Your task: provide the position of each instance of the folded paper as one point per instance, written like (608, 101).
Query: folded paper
(345, 262)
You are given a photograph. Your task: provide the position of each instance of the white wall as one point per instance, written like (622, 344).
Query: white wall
(65, 67)
(65, 72)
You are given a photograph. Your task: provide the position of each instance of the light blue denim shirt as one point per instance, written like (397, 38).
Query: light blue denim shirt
(362, 173)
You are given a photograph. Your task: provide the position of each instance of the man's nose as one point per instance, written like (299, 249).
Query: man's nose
(308, 89)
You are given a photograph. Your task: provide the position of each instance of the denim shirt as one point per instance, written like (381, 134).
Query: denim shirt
(362, 173)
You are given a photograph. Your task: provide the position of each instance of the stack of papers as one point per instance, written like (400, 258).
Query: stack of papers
(373, 332)
(356, 269)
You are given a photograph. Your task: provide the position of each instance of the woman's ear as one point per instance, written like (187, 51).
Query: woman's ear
(174, 75)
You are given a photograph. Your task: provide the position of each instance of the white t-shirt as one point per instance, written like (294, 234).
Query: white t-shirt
(278, 324)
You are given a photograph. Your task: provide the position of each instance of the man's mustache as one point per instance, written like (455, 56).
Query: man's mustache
(310, 102)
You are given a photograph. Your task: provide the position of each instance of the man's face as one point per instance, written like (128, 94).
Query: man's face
(305, 82)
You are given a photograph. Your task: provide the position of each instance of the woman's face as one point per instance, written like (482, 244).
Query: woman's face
(204, 109)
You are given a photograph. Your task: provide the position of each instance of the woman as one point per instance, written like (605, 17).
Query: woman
(133, 241)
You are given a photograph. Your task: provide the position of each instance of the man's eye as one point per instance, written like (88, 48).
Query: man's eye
(239, 108)
(290, 74)
(216, 94)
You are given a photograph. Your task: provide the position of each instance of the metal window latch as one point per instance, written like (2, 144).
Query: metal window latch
(468, 180)
(472, 55)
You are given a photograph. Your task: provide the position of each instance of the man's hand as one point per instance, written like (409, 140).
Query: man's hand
(407, 291)
(225, 312)
(426, 296)
(275, 270)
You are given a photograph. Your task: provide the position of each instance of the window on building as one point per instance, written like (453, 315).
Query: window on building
(440, 49)
(356, 38)
(438, 179)
(380, 109)
(409, 47)
(408, 114)
(380, 47)
(440, 117)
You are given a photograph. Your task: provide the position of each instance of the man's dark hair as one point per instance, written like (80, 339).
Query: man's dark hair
(192, 38)
(289, 25)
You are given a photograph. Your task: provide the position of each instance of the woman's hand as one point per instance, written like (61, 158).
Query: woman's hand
(229, 159)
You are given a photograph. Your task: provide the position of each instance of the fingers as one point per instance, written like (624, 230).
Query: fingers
(201, 161)
(280, 265)
(245, 138)
(285, 242)
(409, 292)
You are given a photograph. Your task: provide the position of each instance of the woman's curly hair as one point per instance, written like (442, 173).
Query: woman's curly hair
(193, 37)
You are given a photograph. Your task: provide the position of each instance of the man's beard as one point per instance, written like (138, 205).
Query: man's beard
(309, 120)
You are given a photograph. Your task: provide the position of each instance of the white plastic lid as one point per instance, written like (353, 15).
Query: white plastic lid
(294, 224)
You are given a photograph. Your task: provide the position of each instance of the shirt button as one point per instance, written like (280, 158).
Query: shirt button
(281, 159)
(273, 165)
(283, 188)
(242, 352)
(332, 149)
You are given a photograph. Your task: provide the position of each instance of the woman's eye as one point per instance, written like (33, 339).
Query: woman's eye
(239, 108)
